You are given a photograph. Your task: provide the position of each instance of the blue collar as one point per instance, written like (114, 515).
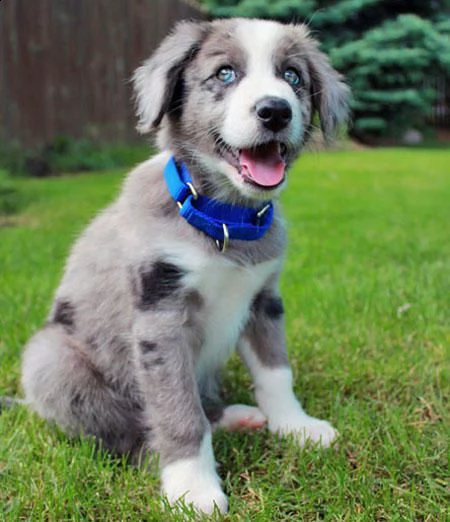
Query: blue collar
(218, 220)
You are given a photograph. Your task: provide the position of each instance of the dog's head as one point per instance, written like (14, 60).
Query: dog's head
(238, 97)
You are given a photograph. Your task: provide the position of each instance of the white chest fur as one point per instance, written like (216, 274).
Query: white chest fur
(227, 290)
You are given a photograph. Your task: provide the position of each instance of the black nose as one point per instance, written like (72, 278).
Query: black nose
(274, 113)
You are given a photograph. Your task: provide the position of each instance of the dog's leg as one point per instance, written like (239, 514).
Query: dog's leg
(262, 348)
(63, 386)
(179, 430)
(233, 417)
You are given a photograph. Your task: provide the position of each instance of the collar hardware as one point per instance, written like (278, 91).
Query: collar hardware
(261, 213)
(194, 194)
(226, 240)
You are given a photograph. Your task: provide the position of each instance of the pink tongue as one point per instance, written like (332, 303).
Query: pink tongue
(263, 165)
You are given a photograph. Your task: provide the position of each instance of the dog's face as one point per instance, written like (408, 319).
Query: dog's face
(238, 98)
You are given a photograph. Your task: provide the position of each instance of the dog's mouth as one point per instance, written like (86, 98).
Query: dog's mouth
(263, 166)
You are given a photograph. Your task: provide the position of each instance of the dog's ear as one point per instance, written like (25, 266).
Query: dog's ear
(330, 95)
(156, 82)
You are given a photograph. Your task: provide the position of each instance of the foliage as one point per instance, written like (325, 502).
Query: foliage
(66, 155)
(366, 290)
(386, 70)
(280, 9)
(11, 198)
(386, 49)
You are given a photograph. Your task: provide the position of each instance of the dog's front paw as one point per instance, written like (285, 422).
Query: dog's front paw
(194, 481)
(242, 417)
(203, 496)
(305, 429)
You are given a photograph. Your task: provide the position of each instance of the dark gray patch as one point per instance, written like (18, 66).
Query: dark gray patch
(64, 314)
(147, 431)
(269, 305)
(175, 87)
(147, 346)
(76, 401)
(265, 329)
(194, 300)
(216, 88)
(149, 355)
(150, 363)
(213, 410)
(274, 307)
(159, 282)
(147, 365)
(158, 361)
(92, 343)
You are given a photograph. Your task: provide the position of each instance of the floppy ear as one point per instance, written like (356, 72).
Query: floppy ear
(330, 95)
(157, 81)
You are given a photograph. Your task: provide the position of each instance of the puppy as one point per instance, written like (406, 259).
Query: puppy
(184, 266)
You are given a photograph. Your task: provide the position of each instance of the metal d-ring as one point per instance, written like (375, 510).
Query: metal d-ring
(192, 189)
(193, 192)
(226, 239)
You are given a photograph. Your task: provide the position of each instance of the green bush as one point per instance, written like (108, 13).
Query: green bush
(12, 158)
(386, 69)
(11, 198)
(66, 155)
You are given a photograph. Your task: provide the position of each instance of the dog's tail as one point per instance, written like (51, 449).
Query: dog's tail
(9, 402)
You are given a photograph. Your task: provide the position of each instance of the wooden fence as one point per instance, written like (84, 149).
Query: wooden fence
(65, 65)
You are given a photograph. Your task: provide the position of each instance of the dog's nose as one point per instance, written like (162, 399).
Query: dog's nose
(274, 113)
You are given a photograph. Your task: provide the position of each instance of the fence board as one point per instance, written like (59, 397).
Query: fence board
(65, 65)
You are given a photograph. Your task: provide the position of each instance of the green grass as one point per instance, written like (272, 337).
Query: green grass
(367, 292)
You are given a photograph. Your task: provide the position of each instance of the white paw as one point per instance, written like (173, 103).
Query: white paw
(203, 497)
(306, 429)
(242, 417)
(194, 481)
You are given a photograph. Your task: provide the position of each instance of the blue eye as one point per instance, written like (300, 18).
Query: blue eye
(226, 75)
(292, 77)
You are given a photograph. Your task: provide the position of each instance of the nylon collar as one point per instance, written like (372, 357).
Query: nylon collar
(218, 220)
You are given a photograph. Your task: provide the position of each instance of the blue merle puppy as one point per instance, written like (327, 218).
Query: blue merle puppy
(183, 268)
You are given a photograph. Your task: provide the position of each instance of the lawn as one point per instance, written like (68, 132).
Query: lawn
(367, 293)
